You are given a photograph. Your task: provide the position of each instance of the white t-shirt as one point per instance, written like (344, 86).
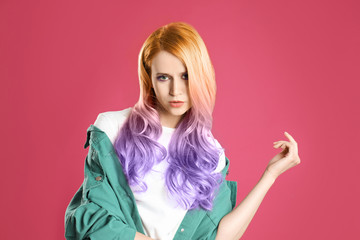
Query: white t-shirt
(160, 214)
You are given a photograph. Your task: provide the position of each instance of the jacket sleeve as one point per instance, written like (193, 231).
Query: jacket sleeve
(224, 203)
(93, 212)
(91, 221)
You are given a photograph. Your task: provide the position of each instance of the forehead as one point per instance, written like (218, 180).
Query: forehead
(166, 62)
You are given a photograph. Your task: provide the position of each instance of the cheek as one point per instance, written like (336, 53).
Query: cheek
(161, 89)
(155, 86)
(159, 93)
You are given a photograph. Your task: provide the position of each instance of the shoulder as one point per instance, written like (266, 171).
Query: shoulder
(110, 122)
(113, 116)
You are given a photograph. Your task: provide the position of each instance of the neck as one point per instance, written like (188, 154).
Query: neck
(168, 120)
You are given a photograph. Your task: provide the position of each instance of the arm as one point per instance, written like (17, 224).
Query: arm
(234, 224)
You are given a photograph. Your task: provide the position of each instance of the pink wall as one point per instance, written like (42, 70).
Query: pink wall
(280, 66)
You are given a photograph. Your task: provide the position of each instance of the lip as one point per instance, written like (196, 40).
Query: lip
(176, 103)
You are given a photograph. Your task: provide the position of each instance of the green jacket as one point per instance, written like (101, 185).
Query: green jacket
(104, 206)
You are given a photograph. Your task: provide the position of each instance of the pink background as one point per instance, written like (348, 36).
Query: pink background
(280, 66)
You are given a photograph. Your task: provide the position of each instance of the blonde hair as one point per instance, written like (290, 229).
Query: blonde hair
(182, 40)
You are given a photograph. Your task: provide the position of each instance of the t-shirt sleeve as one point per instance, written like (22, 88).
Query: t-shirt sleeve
(222, 160)
(104, 123)
(111, 122)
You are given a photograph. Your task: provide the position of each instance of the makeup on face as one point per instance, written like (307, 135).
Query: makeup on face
(171, 87)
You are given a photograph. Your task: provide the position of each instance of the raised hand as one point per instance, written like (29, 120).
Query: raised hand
(286, 159)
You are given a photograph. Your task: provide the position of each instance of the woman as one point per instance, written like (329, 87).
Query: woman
(155, 171)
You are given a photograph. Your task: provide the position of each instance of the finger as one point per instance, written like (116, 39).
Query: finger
(290, 137)
(294, 148)
(284, 145)
(291, 148)
(280, 143)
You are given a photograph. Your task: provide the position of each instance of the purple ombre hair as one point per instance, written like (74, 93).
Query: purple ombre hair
(192, 154)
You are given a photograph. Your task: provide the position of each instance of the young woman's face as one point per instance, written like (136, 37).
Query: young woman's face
(170, 82)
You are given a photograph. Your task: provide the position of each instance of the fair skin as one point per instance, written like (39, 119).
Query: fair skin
(233, 225)
(170, 83)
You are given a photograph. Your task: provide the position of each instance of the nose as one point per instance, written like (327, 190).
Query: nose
(176, 86)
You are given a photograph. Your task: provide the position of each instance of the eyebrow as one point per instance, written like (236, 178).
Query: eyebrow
(168, 73)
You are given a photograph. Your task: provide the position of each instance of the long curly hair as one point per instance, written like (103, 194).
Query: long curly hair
(192, 154)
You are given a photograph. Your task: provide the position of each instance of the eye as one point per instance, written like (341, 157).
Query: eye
(185, 76)
(162, 78)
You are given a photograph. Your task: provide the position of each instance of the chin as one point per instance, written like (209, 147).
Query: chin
(177, 112)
